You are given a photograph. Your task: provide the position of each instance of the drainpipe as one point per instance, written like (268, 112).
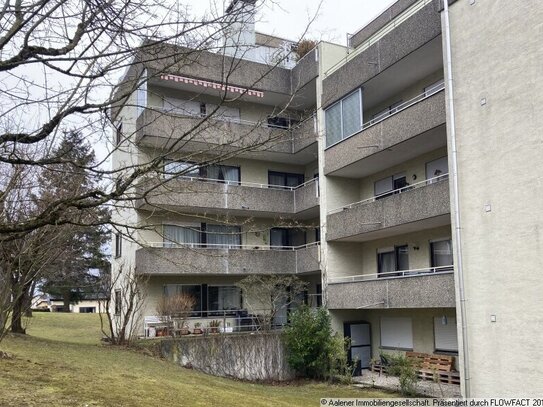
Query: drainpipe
(457, 231)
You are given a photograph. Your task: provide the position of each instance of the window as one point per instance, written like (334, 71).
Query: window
(224, 298)
(434, 87)
(344, 118)
(445, 335)
(183, 107)
(281, 122)
(180, 168)
(285, 179)
(118, 302)
(284, 237)
(441, 252)
(174, 235)
(224, 113)
(119, 134)
(389, 185)
(118, 245)
(319, 295)
(194, 290)
(224, 173)
(393, 259)
(222, 236)
(437, 168)
(87, 310)
(397, 333)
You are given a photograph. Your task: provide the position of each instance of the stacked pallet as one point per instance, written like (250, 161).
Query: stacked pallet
(434, 367)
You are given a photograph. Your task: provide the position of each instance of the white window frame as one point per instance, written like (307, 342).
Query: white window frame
(340, 102)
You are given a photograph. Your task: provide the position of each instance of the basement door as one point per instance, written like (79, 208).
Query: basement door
(360, 349)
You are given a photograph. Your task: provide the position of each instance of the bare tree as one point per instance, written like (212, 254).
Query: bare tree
(60, 63)
(271, 295)
(123, 308)
(73, 65)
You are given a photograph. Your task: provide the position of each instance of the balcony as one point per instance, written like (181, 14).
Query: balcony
(194, 194)
(158, 128)
(413, 128)
(406, 34)
(200, 259)
(422, 288)
(420, 206)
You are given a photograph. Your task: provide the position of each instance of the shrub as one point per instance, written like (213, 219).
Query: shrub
(312, 348)
(405, 370)
(304, 46)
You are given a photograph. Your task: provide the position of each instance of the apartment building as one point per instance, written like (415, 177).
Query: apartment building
(237, 192)
(375, 180)
(387, 255)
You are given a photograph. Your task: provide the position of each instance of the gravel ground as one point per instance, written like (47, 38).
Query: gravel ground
(424, 387)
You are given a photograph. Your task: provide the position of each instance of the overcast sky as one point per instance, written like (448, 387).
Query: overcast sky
(289, 18)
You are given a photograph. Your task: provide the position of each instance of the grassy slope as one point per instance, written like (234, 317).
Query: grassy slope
(62, 363)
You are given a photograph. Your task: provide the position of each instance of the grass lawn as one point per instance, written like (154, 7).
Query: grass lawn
(62, 363)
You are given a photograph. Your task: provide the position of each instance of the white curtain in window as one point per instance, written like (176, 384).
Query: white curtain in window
(224, 298)
(333, 124)
(436, 168)
(180, 106)
(387, 262)
(173, 168)
(221, 236)
(175, 235)
(442, 253)
(351, 115)
(396, 332)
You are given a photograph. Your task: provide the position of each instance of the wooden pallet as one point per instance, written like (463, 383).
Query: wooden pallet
(442, 377)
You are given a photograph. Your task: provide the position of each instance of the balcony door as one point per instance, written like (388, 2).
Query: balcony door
(360, 349)
(283, 237)
(392, 259)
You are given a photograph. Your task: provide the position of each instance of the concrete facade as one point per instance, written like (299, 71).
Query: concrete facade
(383, 194)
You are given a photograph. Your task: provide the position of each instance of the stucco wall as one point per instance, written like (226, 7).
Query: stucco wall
(496, 60)
(351, 259)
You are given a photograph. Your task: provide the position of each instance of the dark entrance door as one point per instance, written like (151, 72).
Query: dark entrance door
(360, 349)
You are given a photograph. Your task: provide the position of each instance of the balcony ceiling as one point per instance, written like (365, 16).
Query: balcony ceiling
(304, 98)
(429, 223)
(412, 148)
(408, 71)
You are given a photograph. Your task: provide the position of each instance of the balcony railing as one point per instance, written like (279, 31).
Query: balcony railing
(172, 245)
(248, 184)
(397, 109)
(411, 187)
(380, 34)
(392, 274)
(225, 321)
(298, 136)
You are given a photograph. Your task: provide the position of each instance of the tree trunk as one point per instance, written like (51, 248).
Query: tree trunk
(17, 315)
(66, 298)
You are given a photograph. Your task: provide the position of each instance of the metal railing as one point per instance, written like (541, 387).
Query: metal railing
(402, 106)
(392, 25)
(392, 274)
(172, 245)
(247, 184)
(410, 187)
(224, 321)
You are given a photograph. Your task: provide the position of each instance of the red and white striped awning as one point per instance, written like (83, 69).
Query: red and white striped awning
(212, 85)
